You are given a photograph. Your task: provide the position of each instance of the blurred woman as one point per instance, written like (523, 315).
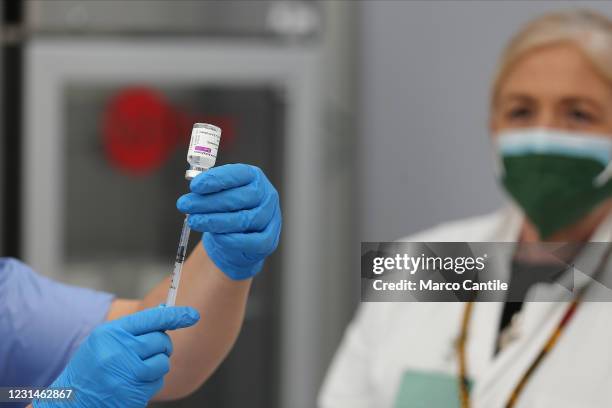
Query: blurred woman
(551, 124)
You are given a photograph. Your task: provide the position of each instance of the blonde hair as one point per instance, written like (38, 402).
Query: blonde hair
(589, 31)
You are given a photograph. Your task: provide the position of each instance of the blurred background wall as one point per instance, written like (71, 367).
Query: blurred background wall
(369, 116)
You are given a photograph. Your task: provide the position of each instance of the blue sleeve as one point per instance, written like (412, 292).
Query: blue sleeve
(42, 322)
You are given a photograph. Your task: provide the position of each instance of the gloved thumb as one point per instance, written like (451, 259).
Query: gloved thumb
(159, 319)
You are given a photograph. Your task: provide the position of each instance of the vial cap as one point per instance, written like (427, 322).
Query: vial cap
(191, 173)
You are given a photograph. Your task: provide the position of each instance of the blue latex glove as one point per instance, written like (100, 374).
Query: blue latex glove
(123, 362)
(237, 209)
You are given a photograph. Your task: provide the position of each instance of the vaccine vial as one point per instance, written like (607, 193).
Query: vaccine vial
(203, 147)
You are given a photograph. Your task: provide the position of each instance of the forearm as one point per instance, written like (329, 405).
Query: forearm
(238, 209)
(200, 349)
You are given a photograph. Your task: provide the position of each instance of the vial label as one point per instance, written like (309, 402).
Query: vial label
(203, 147)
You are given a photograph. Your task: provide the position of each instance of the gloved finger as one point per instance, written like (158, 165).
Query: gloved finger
(153, 368)
(253, 220)
(153, 387)
(159, 319)
(223, 178)
(262, 242)
(153, 343)
(239, 198)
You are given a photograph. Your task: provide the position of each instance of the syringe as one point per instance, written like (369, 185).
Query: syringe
(201, 156)
(178, 263)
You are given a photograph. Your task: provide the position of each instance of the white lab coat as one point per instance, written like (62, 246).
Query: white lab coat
(386, 339)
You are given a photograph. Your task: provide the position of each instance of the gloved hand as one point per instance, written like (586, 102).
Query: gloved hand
(123, 362)
(237, 209)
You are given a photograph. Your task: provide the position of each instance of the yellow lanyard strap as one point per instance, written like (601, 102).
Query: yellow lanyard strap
(464, 391)
(548, 346)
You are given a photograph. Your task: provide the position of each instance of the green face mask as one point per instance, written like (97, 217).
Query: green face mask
(556, 177)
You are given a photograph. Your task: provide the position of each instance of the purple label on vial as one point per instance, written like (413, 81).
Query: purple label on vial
(202, 149)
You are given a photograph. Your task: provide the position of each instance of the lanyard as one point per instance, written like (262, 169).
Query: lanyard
(464, 392)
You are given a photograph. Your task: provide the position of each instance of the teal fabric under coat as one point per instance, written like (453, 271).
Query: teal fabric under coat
(428, 389)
